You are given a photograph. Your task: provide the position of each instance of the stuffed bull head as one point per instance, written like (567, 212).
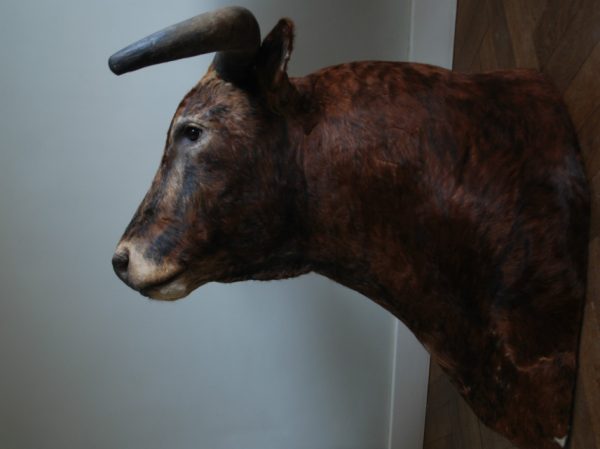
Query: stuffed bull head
(457, 202)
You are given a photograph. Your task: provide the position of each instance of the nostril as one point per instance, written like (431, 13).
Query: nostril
(120, 263)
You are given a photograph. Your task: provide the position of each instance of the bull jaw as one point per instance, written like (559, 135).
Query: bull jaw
(170, 291)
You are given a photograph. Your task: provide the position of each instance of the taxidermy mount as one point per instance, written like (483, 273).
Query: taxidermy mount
(457, 202)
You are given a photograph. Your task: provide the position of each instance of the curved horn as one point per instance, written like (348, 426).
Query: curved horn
(232, 32)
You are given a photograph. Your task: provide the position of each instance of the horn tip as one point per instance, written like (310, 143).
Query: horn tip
(114, 65)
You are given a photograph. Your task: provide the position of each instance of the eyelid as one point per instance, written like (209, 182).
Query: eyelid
(184, 125)
(179, 132)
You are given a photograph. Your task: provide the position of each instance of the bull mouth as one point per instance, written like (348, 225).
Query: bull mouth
(170, 288)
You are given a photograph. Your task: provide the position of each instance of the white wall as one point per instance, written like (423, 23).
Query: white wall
(432, 31)
(88, 363)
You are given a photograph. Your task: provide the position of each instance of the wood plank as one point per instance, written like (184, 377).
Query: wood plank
(589, 140)
(586, 422)
(583, 94)
(468, 424)
(442, 443)
(438, 423)
(440, 392)
(492, 440)
(521, 20)
(435, 372)
(593, 296)
(487, 55)
(552, 25)
(466, 10)
(581, 439)
(577, 43)
(594, 299)
(468, 40)
(500, 35)
(595, 219)
(534, 9)
(476, 64)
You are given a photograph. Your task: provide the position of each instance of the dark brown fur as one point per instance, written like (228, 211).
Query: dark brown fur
(457, 202)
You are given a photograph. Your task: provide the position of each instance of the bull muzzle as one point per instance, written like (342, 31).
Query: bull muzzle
(164, 280)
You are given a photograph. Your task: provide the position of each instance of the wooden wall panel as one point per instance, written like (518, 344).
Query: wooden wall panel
(562, 39)
(521, 17)
(575, 45)
(552, 25)
(583, 94)
(471, 27)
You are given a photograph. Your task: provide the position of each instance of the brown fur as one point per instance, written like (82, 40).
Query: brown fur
(457, 202)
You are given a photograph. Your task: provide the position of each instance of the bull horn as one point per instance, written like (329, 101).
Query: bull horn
(232, 32)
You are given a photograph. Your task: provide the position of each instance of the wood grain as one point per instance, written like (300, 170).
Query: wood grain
(487, 54)
(583, 94)
(595, 221)
(552, 25)
(500, 36)
(520, 18)
(472, 30)
(576, 44)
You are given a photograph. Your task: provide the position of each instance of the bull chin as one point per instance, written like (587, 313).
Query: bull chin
(170, 290)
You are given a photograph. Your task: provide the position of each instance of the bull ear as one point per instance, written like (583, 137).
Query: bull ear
(271, 65)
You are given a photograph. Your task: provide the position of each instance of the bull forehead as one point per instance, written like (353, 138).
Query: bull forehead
(213, 100)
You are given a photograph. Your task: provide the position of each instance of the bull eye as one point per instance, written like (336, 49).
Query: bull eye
(192, 132)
